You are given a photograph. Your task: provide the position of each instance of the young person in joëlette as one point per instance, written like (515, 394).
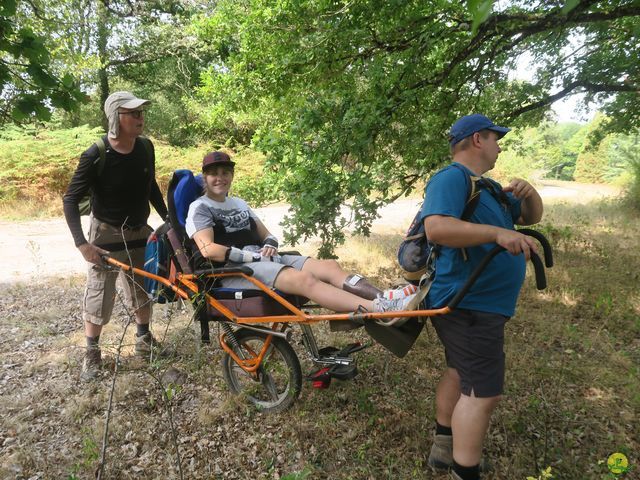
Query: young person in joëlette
(473, 333)
(121, 190)
(227, 232)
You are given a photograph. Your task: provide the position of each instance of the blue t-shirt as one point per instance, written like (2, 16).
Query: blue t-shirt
(497, 288)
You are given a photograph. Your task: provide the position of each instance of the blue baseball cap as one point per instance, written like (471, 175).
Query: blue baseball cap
(470, 124)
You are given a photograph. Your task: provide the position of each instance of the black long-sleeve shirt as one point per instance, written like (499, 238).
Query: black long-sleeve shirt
(120, 194)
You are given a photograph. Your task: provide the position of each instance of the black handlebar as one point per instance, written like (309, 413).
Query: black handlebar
(546, 248)
(541, 279)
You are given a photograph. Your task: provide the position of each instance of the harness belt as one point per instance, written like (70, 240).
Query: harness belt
(120, 246)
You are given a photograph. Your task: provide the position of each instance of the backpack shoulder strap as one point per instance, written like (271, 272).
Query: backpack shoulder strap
(473, 198)
(146, 143)
(473, 193)
(101, 155)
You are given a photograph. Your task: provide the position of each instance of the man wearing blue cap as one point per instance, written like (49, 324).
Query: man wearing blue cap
(473, 334)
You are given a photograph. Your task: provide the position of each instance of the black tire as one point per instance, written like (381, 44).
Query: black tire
(280, 376)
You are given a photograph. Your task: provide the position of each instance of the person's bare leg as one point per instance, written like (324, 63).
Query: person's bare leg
(447, 395)
(328, 271)
(92, 330)
(143, 314)
(470, 422)
(304, 283)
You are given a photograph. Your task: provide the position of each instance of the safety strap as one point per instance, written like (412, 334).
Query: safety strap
(119, 246)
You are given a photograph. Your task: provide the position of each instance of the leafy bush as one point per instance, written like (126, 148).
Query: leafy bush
(39, 164)
(633, 194)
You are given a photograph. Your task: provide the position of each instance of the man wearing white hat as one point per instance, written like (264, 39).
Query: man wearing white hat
(118, 172)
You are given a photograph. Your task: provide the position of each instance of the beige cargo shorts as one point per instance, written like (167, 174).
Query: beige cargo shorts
(100, 292)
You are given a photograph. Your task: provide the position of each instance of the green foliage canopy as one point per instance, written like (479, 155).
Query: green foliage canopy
(28, 85)
(352, 100)
(143, 46)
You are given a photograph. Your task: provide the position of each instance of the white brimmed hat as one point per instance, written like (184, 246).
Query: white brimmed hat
(118, 100)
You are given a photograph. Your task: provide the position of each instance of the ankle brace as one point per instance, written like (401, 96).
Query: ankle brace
(360, 286)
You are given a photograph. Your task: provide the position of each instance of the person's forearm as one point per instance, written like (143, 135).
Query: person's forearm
(72, 216)
(158, 202)
(208, 248)
(214, 252)
(455, 233)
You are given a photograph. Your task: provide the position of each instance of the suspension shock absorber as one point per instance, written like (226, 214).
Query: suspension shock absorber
(230, 336)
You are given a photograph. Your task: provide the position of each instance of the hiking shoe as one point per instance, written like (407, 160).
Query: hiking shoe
(400, 292)
(441, 455)
(91, 365)
(147, 344)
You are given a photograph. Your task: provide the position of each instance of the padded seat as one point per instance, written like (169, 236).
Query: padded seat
(251, 303)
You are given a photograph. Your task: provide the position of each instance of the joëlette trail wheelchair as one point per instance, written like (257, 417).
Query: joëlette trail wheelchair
(259, 361)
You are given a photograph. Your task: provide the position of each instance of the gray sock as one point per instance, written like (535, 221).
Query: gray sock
(142, 329)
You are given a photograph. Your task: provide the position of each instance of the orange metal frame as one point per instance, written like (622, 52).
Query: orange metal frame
(296, 316)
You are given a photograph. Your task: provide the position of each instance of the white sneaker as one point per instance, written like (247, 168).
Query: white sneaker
(381, 304)
(400, 292)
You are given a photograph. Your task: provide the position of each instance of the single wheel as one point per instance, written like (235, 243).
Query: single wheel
(279, 379)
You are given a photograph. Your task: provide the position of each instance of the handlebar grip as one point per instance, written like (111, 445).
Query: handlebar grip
(546, 247)
(541, 278)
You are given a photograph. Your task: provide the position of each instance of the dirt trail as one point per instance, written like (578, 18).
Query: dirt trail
(44, 249)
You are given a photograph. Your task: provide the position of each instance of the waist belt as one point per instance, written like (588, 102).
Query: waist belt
(119, 246)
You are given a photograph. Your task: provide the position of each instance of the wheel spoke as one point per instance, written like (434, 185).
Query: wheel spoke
(278, 380)
(270, 386)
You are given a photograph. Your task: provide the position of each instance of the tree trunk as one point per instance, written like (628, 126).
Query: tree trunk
(103, 38)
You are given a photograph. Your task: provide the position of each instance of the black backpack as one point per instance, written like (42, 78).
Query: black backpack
(416, 254)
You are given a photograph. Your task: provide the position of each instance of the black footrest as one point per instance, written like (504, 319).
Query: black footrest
(327, 351)
(352, 348)
(343, 372)
(346, 351)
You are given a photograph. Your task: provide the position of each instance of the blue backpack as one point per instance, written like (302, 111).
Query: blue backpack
(159, 254)
(158, 262)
